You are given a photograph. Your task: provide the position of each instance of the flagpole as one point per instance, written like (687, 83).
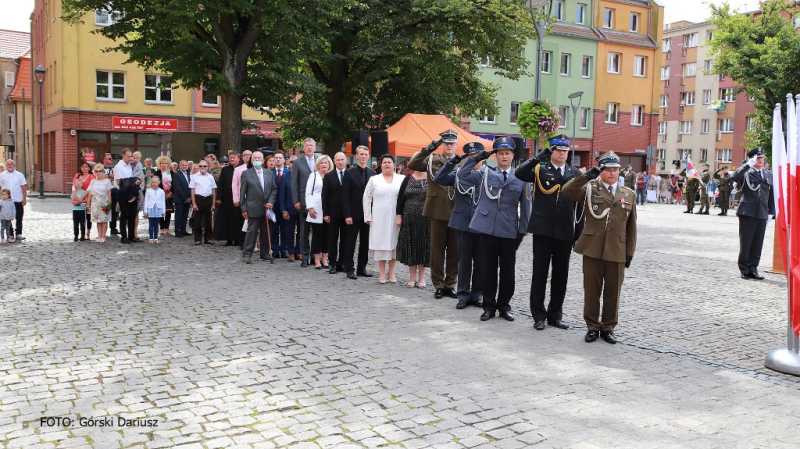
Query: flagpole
(785, 360)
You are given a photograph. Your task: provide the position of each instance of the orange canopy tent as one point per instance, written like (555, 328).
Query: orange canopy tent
(415, 131)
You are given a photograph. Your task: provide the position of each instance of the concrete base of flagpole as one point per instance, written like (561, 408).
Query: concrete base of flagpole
(783, 360)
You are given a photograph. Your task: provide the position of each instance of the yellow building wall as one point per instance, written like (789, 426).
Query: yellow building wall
(625, 88)
(622, 16)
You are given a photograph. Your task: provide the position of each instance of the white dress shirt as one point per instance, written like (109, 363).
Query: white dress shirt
(203, 185)
(260, 176)
(13, 181)
(122, 171)
(612, 188)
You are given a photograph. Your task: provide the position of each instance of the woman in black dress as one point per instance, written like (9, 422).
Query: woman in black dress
(414, 242)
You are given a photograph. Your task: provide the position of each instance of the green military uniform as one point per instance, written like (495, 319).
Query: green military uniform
(630, 178)
(607, 243)
(725, 186)
(705, 180)
(690, 188)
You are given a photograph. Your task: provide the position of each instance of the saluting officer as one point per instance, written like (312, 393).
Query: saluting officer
(705, 180)
(438, 208)
(470, 272)
(554, 227)
(755, 183)
(725, 186)
(501, 217)
(607, 242)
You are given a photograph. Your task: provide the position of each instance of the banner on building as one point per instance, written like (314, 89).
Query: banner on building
(144, 124)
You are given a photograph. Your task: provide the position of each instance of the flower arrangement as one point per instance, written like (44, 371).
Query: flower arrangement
(538, 119)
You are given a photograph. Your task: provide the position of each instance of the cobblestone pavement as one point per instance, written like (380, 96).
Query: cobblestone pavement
(221, 354)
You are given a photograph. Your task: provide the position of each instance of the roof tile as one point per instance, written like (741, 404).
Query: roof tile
(14, 44)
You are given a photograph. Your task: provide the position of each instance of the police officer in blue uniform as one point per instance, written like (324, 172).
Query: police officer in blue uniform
(755, 183)
(554, 227)
(470, 275)
(501, 216)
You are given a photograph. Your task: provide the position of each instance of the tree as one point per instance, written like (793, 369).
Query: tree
(376, 60)
(761, 52)
(239, 49)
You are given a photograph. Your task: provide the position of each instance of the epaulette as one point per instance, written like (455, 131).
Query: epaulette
(628, 189)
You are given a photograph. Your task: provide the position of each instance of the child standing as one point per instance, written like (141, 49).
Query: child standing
(78, 210)
(154, 207)
(7, 213)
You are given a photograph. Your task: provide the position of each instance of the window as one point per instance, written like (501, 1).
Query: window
(727, 95)
(662, 128)
(686, 154)
(663, 101)
(12, 124)
(686, 127)
(639, 66)
(565, 60)
(637, 115)
(708, 65)
(612, 112)
(662, 154)
(210, 98)
(689, 69)
(796, 21)
(157, 89)
(751, 123)
(486, 118)
(710, 35)
(687, 98)
(634, 22)
(664, 73)
(105, 17)
(703, 154)
(546, 58)
(725, 154)
(586, 67)
(690, 40)
(563, 111)
(726, 125)
(580, 14)
(707, 96)
(613, 62)
(9, 79)
(666, 45)
(558, 10)
(704, 126)
(487, 61)
(110, 85)
(514, 112)
(585, 118)
(608, 18)
(721, 77)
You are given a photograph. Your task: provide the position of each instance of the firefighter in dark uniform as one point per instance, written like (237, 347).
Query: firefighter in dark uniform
(756, 205)
(554, 227)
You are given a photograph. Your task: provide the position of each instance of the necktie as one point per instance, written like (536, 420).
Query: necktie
(311, 164)
(260, 178)
(279, 176)
(341, 177)
(505, 176)
(186, 175)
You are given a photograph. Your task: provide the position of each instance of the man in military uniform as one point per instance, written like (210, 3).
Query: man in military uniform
(501, 217)
(438, 208)
(607, 242)
(470, 259)
(756, 205)
(690, 187)
(705, 181)
(629, 177)
(554, 229)
(725, 186)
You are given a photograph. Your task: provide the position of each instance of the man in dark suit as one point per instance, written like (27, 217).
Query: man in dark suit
(282, 230)
(757, 203)
(182, 196)
(553, 227)
(301, 169)
(257, 195)
(228, 224)
(334, 212)
(353, 184)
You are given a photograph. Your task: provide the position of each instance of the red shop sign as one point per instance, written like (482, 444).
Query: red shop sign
(144, 124)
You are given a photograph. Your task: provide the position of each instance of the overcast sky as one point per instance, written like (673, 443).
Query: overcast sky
(16, 12)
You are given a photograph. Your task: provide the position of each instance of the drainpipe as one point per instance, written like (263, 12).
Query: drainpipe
(193, 92)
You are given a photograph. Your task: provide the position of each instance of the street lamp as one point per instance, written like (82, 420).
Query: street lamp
(575, 107)
(40, 73)
(541, 26)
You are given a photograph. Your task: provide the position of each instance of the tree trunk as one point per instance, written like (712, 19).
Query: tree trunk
(340, 72)
(230, 124)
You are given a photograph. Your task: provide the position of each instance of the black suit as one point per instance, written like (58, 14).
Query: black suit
(552, 224)
(353, 185)
(757, 202)
(332, 206)
(180, 193)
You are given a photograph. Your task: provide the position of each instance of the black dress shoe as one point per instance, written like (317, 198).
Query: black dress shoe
(246, 260)
(508, 316)
(228, 243)
(591, 336)
(487, 315)
(364, 273)
(340, 268)
(125, 241)
(608, 336)
(352, 275)
(210, 242)
(756, 276)
(746, 276)
(114, 232)
(449, 292)
(333, 270)
(462, 304)
(325, 266)
(477, 303)
(179, 235)
(135, 240)
(304, 263)
(557, 323)
(539, 325)
(439, 293)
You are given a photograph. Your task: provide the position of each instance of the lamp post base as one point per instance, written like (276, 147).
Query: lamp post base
(783, 360)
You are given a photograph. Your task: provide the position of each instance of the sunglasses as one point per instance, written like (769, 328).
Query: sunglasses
(203, 166)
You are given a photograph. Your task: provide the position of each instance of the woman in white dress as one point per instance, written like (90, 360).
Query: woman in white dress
(319, 227)
(380, 202)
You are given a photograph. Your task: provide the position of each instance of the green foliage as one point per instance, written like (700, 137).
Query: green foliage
(537, 119)
(762, 53)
